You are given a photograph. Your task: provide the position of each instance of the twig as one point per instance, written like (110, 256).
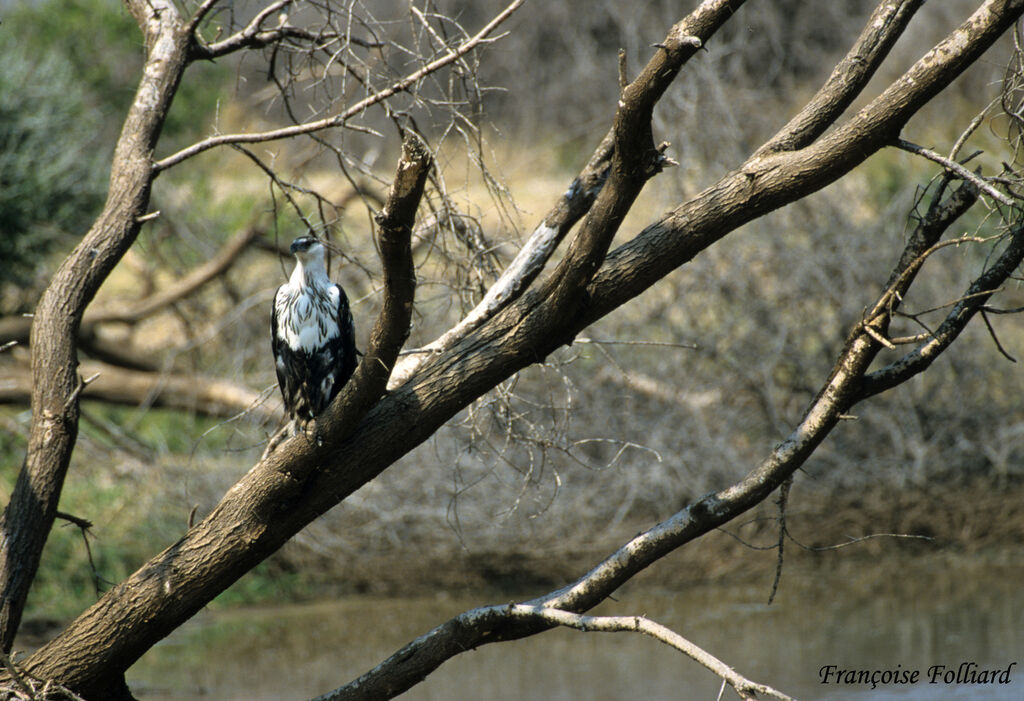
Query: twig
(782, 502)
(201, 13)
(614, 342)
(744, 687)
(854, 541)
(82, 523)
(995, 339)
(239, 39)
(955, 167)
(398, 86)
(19, 680)
(181, 288)
(878, 337)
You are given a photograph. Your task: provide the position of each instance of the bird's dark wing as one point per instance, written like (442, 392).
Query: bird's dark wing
(346, 340)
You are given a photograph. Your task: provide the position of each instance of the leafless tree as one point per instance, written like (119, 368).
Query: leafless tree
(535, 307)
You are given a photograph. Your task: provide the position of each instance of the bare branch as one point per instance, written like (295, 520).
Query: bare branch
(971, 303)
(200, 14)
(251, 35)
(765, 183)
(210, 270)
(339, 119)
(528, 263)
(207, 395)
(744, 687)
(955, 167)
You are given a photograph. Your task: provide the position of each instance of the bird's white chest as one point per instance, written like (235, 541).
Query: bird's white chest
(307, 317)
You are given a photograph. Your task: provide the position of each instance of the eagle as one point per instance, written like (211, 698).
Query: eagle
(312, 335)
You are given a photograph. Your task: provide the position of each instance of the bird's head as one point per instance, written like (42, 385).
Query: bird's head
(307, 247)
(310, 257)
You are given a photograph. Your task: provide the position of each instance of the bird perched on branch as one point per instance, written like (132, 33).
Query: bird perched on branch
(312, 335)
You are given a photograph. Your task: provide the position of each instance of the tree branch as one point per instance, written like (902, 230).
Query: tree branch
(957, 169)
(212, 396)
(183, 287)
(766, 183)
(848, 78)
(19, 328)
(491, 619)
(528, 263)
(973, 301)
(251, 36)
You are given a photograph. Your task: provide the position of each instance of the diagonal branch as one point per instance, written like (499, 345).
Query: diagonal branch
(636, 158)
(194, 280)
(765, 183)
(954, 167)
(528, 263)
(847, 79)
(491, 619)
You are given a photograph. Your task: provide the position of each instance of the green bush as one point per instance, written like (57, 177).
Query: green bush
(51, 176)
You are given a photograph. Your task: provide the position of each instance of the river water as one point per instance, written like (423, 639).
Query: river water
(903, 616)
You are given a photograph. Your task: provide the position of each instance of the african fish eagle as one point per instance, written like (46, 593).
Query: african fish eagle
(312, 335)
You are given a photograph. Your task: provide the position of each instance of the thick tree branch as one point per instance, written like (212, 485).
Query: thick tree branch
(528, 263)
(848, 78)
(765, 183)
(636, 158)
(395, 223)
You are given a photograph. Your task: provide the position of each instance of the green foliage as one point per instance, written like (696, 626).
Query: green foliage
(98, 38)
(70, 70)
(50, 171)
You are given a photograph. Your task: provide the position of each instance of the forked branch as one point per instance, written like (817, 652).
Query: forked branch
(492, 619)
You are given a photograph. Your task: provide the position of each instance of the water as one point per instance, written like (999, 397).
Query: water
(911, 614)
